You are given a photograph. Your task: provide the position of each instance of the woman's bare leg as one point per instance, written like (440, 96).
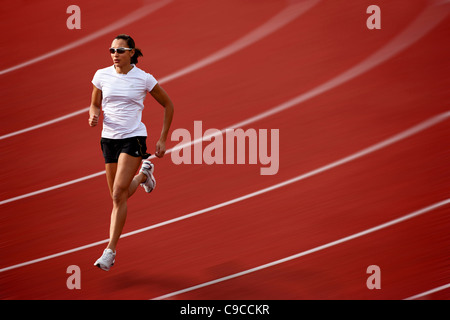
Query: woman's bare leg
(137, 180)
(111, 169)
(120, 192)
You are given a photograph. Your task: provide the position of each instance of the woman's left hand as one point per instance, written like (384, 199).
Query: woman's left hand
(160, 148)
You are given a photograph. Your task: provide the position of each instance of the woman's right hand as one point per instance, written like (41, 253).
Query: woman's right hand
(96, 105)
(93, 120)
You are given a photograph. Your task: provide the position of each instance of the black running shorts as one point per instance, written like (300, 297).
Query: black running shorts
(134, 146)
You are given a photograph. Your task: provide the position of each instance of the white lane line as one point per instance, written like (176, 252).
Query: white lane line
(426, 293)
(313, 250)
(290, 13)
(411, 34)
(396, 138)
(275, 23)
(132, 17)
(424, 23)
(44, 124)
(61, 185)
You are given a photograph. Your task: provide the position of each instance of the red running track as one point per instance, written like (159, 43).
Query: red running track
(396, 93)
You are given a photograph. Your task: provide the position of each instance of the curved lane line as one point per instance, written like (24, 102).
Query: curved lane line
(132, 17)
(426, 293)
(313, 250)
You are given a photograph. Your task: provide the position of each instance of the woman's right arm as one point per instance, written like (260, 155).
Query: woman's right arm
(96, 106)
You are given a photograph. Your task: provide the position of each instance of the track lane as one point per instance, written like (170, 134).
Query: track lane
(34, 35)
(340, 272)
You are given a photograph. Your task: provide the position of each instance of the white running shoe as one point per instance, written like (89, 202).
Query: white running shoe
(147, 169)
(106, 261)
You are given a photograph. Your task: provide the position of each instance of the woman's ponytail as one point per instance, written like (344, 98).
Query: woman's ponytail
(137, 54)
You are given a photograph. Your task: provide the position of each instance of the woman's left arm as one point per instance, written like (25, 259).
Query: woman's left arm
(163, 99)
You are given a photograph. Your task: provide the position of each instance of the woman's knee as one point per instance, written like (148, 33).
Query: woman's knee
(119, 194)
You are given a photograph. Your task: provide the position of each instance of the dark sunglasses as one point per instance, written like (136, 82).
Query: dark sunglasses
(119, 50)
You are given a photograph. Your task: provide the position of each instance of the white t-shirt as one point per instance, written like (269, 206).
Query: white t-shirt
(123, 101)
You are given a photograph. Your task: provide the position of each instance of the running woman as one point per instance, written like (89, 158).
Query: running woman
(121, 89)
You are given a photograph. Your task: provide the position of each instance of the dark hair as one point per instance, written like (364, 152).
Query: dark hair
(131, 44)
